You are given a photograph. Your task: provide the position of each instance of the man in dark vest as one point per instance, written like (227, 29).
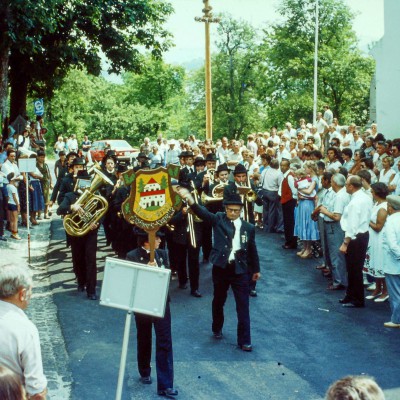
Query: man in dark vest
(288, 199)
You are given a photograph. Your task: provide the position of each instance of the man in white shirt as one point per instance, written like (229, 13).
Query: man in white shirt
(10, 165)
(172, 154)
(271, 179)
(72, 144)
(252, 145)
(355, 223)
(275, 138)
(328, 114)
(289, 131)
(223, 151)
(391, 266)
(19, 338)
(321, 125)
(332, 214)
(234, 157)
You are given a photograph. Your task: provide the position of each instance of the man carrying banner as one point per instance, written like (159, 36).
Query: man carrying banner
(162, 326)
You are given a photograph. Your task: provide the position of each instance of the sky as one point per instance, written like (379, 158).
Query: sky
(189, 34)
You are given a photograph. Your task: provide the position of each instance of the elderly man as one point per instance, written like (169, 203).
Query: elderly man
(391, 266)
(332, 214)
(19, 337)
(271, 179)
(234, 257)
(355, 222)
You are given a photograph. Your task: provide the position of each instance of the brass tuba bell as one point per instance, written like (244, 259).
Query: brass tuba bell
(94, 207)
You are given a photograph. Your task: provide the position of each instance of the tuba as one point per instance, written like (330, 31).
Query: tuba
(94, 207)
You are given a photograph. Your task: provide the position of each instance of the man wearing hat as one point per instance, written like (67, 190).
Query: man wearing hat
(391, 255)
(222, 176)
(172, 154)
(68, 182)
(202, 180)
(162, 326)
(234, 255)
(142, 161)
(63, 172)
(83, 247)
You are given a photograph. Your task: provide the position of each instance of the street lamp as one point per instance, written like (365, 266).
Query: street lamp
(208, 18)
(316, 62)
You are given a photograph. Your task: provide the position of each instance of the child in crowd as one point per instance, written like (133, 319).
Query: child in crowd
(13, 204)
(303, 181)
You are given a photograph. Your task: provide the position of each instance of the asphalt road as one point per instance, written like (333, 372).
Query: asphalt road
(303, 339)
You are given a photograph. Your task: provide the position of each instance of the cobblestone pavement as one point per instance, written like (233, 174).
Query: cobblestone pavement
(42, 310)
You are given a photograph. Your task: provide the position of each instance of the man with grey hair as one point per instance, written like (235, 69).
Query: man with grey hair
(19, 338)
(334, 233)
(355, 223)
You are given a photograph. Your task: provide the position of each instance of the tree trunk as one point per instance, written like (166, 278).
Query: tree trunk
(19, 81)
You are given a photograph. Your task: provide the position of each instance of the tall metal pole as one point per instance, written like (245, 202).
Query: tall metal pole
(316, 61)
(207, 19)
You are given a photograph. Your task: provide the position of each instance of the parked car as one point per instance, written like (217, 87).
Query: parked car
(123, 150)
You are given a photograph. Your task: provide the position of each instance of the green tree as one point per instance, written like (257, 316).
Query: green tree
(234, 77)
(344, 74)
(141, 185)
(75, 33)
(164, 183)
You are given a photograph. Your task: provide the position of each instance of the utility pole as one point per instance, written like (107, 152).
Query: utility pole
(208, 18)
(316, 62)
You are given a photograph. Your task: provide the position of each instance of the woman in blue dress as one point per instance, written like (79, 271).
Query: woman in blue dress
(305, 228)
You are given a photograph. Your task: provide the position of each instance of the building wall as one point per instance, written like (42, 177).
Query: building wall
(387, 55)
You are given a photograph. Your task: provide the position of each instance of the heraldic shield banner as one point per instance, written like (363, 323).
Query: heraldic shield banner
(152, 201)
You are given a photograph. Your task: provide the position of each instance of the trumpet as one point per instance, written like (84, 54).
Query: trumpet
(211, 175)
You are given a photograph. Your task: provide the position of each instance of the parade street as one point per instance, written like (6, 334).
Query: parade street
(303, 339)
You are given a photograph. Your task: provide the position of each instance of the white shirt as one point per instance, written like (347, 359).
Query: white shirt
(290, 181)
(357, 214)
(20, 347)
(252, 146)
(234, 157)
(341, 200)
(173, 156)
(72, 145)
(223, 154)
(9, 167)
(333, 166)
(236, 239)
(391, 244)
(271, 179)
(321, 125)
(328, 202)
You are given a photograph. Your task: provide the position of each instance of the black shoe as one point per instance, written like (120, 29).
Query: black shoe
(81, 288)
(246, 347)
(345, 300)
(195, 293)
(352, 305)
(218, 335)
(146, 380)
(170, 393)
(3, 238)
(289, 247)
(184, 286)
(92, 296)
(253, 293)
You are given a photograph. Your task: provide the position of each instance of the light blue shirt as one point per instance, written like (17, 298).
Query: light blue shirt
(391, 244)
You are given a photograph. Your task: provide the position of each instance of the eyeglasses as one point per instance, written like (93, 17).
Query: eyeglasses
(233, 210)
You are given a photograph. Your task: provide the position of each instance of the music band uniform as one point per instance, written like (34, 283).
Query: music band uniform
(162, 329)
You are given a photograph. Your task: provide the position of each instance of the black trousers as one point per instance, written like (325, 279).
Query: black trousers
(223, 278)
(164, 354)
(84, 260)
(355, 258)
(194, 268)
(288, 222)
(206, 240)
(271, 207)
(181, 254)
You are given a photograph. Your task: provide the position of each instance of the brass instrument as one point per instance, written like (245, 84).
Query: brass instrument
(211, 176)
(218, 190)
(94, 207)
(251, 195)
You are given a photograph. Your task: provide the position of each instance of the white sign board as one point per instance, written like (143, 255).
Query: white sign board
(27, 164)
(135, 287)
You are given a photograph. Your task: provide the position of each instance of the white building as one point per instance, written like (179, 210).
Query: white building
(387, 78)
(152, 195)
